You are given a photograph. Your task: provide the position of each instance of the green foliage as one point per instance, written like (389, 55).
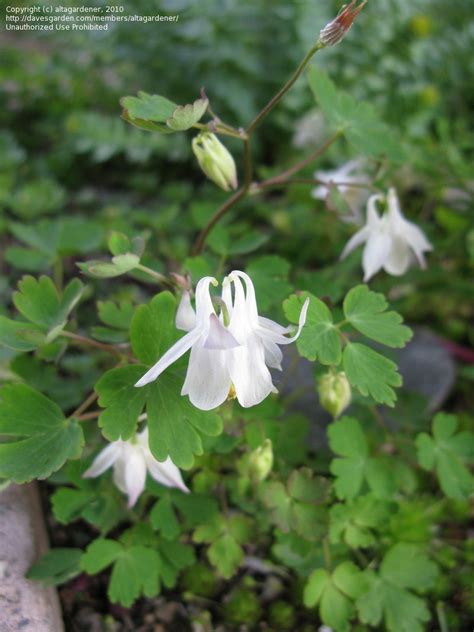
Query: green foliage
(358, 121)
(347, 439)
(226, 537)
(175, 426)
(354, 522)
(335, 594)
(365, 310)
(270, 278)
(371, 373)
(56, 567)
(37, 438)
(445, 452)
(319, 339)
(298, 505)
(404, 567)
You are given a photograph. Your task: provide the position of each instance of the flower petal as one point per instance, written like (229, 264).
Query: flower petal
(219, 337)
(245, 306)
(176, 351)
(356, 240)
(134, 473)
(207, 380)
(105, 459)
(399, 258)
(249, 374)
(273, 354)
(416, 239)
(165, 473)
(375, 253)
(185, 314)
(270, 333)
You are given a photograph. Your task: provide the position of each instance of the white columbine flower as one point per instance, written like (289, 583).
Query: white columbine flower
(230, 353)
(391, 241)
(349, 173)
(131, 460)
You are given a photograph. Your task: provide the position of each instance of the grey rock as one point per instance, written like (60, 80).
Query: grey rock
(25, 605)
(426, 366)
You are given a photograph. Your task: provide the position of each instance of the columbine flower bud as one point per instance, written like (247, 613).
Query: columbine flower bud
(260, 461)
(215, 160)
(336, 30)
(334, 393)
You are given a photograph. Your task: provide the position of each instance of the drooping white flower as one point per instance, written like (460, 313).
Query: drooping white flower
(131, 460)
(355, 196)
(391, 241)
(208, 339)
(260, 338)
(229, 353)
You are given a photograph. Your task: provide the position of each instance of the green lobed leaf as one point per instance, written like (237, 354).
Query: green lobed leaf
(14, 335)
(365, 310)
(358, 121)
(335, 594)
(402, 610)
(148, 107)
(408, 566)
(371, 373)
(116, 315)
(445, 452)
(123, 402)
(354, 522)
(56, 566)
(185, 116)
(40, 438)
(119, 264)
(319, 339)
(39, 301)
(347, 439)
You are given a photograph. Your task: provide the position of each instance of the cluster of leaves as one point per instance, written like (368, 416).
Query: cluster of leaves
(356, 505)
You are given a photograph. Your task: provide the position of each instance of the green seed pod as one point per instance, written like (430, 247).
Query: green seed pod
(260, 461)
(215, 160)
(334, 393)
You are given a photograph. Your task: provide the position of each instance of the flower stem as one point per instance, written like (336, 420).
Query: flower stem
(247, 159)
(85, 405)
(161, 278)
(232, 201)
(281, 93)
(89, 342)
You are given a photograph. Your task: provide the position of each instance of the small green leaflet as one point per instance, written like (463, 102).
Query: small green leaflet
(404, 567)
(445, 452)
(118, 265)
(354, 522)
(298, 505)
(174, 424)
(335, 594)
(39, 438)
(136, 569)
(319, 338)
(158, 114)
(347, 439)
(357, 120)
(185, 116)
(365, 310)
(371, 373)
(39, 301)
(56, 567)
(226, 537)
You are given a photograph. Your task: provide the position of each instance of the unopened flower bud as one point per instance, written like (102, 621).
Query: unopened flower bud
(336, 30)
(215, 160)
(334, 393)
(260, 461)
